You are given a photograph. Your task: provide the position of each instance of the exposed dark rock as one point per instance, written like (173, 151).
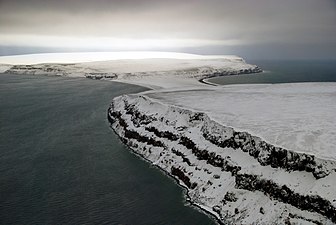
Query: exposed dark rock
(99, 76)
(267, 154)
(196, 117)
(163, 134)
(180, 174)
(150, 141)
(262, 210)
(303, 218)
(218, 73)
(283, 193)
(113, 116)
(137, 117)
(230, 197)
(178, 153)
(187, 143)
(211, 157)
(33, 69)
(217, 209)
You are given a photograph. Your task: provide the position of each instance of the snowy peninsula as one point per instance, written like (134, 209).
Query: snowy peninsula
(247, 154)
(150, 69)
(236, 175)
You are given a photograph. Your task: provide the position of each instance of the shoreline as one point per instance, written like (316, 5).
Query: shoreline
(175, 83)
(205, 81)
(185, 192)
(186, 197)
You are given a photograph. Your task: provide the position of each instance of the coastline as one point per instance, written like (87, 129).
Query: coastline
(211, 214)
(205, 81)
(165, 84)
(186, 195)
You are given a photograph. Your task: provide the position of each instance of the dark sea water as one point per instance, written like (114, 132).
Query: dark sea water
(285, 72)
(60, 163)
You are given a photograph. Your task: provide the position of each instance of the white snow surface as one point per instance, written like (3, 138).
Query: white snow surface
(151, 69)
(77, 57)
(296, 116)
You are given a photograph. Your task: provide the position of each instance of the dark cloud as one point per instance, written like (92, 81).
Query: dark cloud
(224, 25)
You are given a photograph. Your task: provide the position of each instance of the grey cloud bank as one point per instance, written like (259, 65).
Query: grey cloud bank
(253, 28)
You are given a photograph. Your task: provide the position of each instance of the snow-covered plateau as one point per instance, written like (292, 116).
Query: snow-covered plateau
(297, 116)
(150, 69)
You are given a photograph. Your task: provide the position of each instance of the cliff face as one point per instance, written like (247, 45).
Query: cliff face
(234, 175)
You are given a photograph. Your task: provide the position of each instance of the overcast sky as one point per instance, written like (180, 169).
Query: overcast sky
(249, 28)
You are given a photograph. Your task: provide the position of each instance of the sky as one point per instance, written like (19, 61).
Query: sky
(255, 29)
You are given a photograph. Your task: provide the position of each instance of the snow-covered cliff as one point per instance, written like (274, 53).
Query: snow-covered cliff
(236, 176)
(297, 116)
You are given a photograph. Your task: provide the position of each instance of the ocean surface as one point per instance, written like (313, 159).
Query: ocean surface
(60, 163)
(284, 72)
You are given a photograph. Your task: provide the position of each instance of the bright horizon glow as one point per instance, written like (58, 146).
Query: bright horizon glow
(127, 44)
(78, 57)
